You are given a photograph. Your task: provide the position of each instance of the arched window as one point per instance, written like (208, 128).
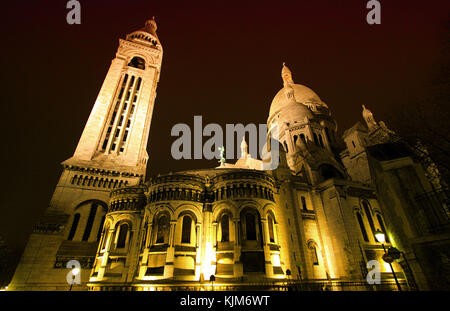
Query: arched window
(295, 139)
(316, 141)
(90, 221)
(313, 252)
(383, 228)
(361, 226)
(162, 230)
(304, 203)
(100, 228)
(186, 230)
(225, 228)
(366, 207)
(137, 62)
(327, 133)
(302, 137)
(271, 229)
(321, 141)
(73, 229)
(122, 239)
(286, 147)
(250, 226)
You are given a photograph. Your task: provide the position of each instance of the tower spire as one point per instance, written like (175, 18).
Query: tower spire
(150, 26)
(286, 75)
(244, 151)
(368, 117)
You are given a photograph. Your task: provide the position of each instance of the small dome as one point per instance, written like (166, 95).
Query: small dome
(295, 101)
(302, 94)
(294, 112)
(147, 33)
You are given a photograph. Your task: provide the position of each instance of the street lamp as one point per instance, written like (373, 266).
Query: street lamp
(75, 272)
(288, 274)
(212, 278)
(381, 238)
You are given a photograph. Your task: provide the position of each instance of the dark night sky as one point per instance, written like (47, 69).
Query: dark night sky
(222, 60)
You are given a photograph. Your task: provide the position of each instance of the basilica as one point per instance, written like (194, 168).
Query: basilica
(312, 223)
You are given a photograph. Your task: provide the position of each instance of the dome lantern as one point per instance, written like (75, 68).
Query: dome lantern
(368, 117)
(286, 75)
(150, 25)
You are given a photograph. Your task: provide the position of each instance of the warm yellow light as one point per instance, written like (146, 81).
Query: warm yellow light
(75, 271)
(387, 267)
(380, 236)
(150, 278)
(276, 260)
(208, 268)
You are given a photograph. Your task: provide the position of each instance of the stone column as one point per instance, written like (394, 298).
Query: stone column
(238, 269)
(275, 234)
(214, 234)
(208, 255)
(266, 248)
(326, 143)
(132, 260)
(104, 263)
(170, 257)
(144, 262)
(198, 250)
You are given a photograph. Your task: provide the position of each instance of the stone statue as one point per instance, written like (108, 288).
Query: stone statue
(222, 159)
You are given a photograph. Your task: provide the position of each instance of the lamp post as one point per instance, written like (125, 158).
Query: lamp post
(212, 278)
(381, 238)
(288, 274)
(75, 272)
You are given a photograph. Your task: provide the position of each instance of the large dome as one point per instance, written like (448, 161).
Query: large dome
(302, 94)
(294, 112)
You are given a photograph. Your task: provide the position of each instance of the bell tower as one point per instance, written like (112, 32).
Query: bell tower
(306, 130)
(111, 153)
(116, 133)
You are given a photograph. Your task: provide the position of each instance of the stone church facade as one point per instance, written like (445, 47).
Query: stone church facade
(309, 222)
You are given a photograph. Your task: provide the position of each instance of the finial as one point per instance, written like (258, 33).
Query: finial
(243, 148)
(243, 142)
(286, 75)
(366, 111)
(368, 117)
(150, 24)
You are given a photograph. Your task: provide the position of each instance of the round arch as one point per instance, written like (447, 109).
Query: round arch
(188, 208)
(166, 208)
(219, 209)
(77, 204)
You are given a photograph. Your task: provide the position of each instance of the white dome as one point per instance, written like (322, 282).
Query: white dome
(294, 102)
(294, 112)
(302, 94)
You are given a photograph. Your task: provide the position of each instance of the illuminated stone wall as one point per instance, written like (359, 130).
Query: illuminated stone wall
(111, 154)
